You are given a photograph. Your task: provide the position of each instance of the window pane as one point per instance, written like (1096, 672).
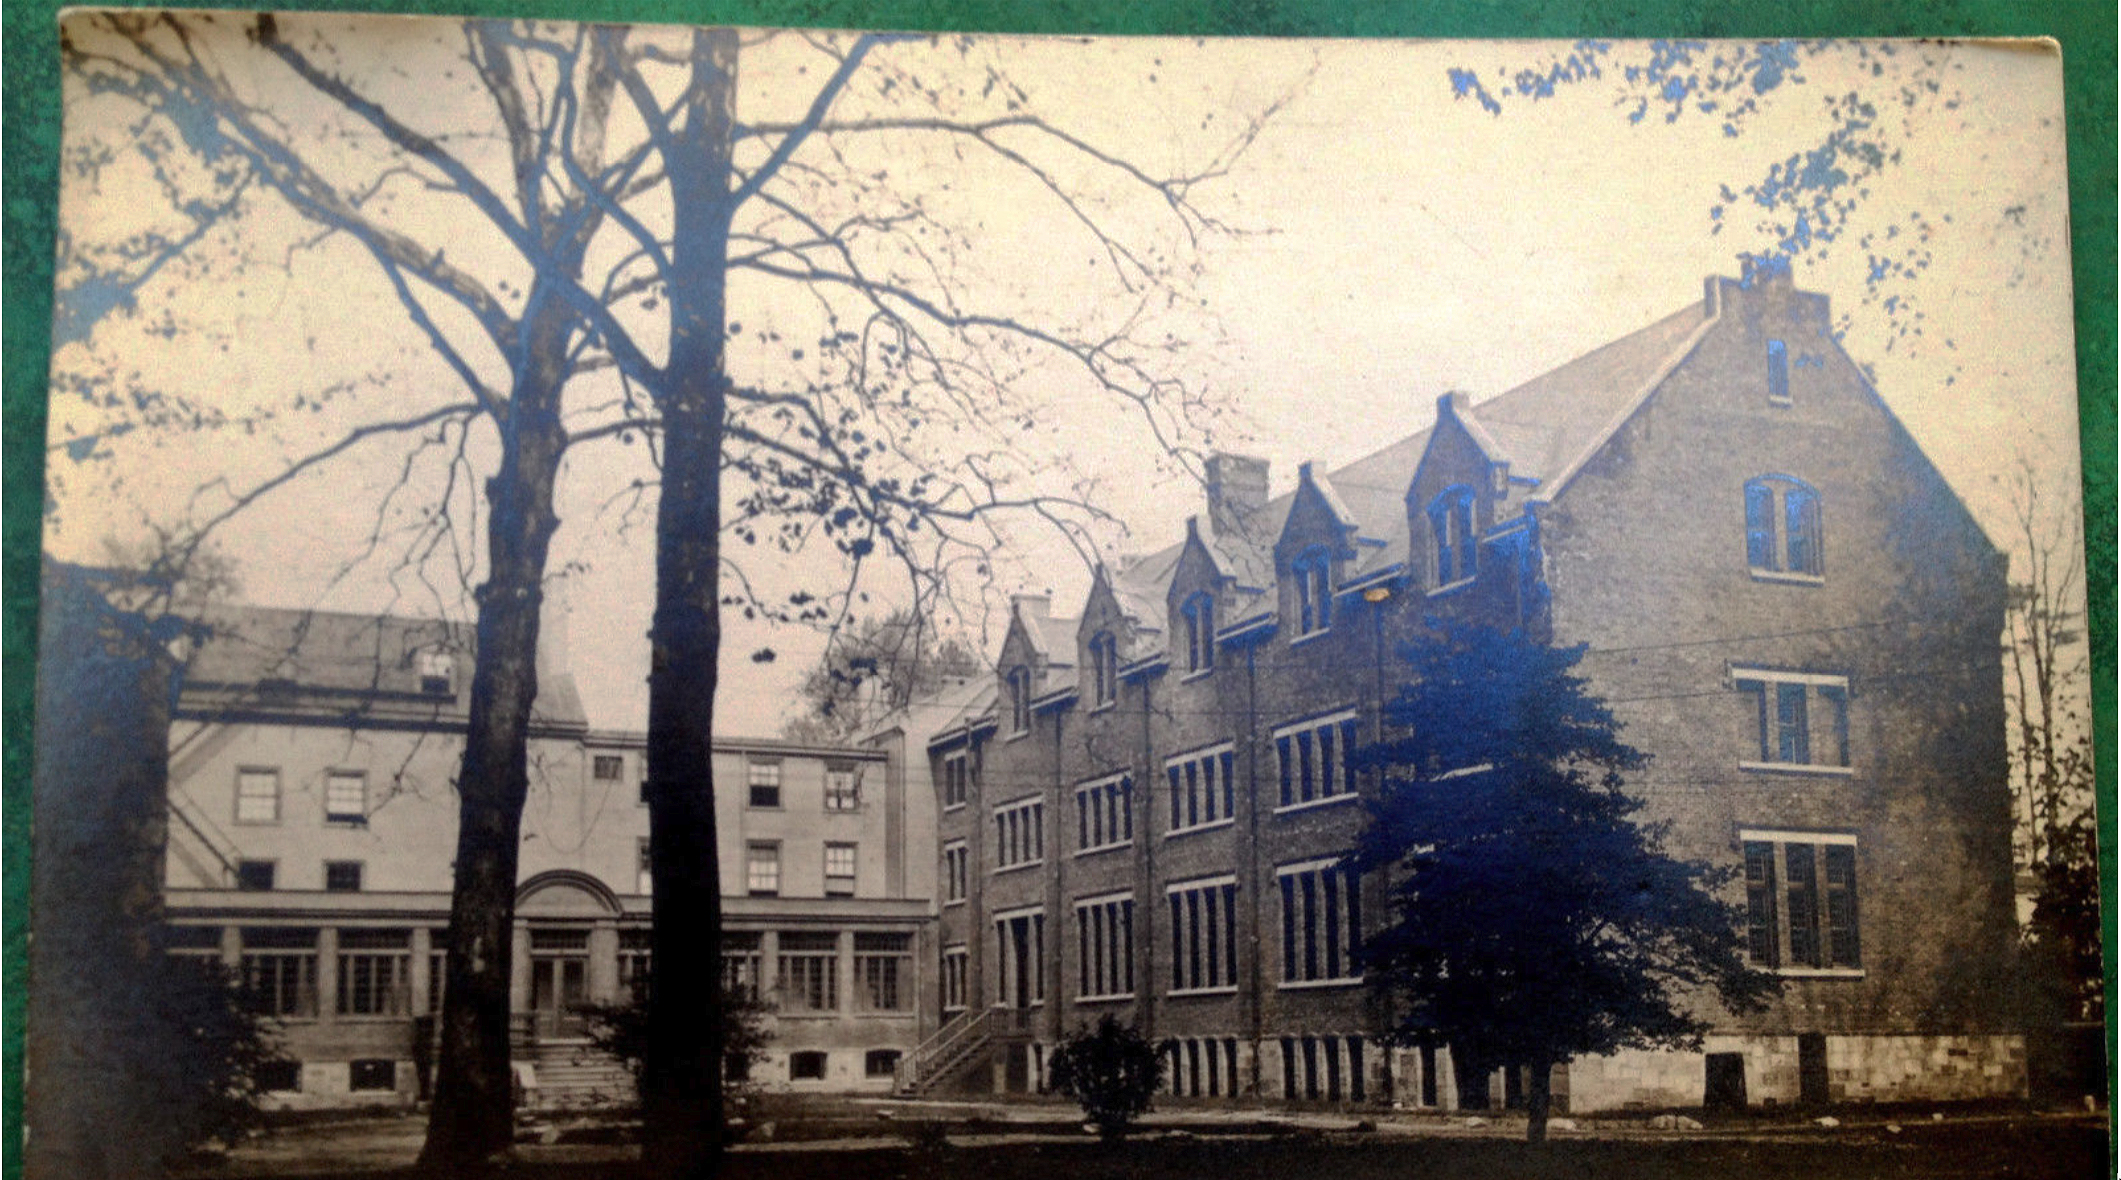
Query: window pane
(1760, 526)
(1804, 916)
(1760, 903)
(1793, 742)
(1801, 522)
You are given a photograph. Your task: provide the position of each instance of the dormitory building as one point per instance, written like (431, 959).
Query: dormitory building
(1149, 813)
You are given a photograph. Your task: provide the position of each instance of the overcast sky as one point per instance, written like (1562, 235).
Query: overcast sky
(1402, 243)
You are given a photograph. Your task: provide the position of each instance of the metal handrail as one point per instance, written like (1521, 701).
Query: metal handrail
(943, 1046)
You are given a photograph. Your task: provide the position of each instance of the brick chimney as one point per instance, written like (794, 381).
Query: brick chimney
(1237, 495)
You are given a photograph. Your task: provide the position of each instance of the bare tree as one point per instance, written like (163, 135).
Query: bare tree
(872, 667)
(2052, 779)
(881, 427)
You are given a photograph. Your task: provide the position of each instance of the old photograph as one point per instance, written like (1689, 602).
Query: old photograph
(630, 600)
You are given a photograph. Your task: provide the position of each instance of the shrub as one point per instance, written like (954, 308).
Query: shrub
(1112, 1070)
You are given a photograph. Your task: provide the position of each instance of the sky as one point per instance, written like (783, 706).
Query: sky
(1387, 240)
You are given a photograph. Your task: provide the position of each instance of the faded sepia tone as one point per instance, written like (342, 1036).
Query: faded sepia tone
(1092, 337)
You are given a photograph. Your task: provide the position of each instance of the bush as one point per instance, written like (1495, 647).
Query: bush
(201, 1052)
(622, 1031)
(1112, 1070)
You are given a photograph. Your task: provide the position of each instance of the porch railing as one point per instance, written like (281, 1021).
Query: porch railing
(961, 1035)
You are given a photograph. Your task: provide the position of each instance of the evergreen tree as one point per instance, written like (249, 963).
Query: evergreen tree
(1532, 917)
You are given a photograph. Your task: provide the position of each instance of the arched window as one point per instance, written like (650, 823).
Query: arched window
(1313, 570)
(1019, 699)
(1104, 668)
(1783, 533)
(1199, 618)
(1451, 523)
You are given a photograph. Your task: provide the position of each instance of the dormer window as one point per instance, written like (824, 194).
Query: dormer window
(1783, 536)
(1451, 523)
(437, 674)
(1199, 617)
(1019, 700)
(1104, 669)
(1314, 590)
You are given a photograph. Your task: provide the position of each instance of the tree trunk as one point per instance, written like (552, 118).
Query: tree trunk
(681, 1088)
(1538, 1101)
(471, 1120)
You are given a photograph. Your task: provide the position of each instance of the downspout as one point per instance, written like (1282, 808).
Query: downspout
(1145, 908)
(1254, 1002)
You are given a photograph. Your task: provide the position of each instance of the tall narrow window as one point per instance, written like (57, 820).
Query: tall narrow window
(762, 869)
(839, 870)
(956, 780)
(809, 969)
(1203, 934)
(1761, 931)
(1778, 373)
(1451, 524)
(1783, 530)
(1104, 814)
(1313, 571)
(1316, 759)
(1203, 788)
(1199, 624)
(1104, 668)
(1019, 700)
(1104, 932)
(883, 968)
(1321, 923)
(375, 972)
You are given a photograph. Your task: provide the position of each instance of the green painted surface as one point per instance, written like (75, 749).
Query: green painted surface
(2085, 29)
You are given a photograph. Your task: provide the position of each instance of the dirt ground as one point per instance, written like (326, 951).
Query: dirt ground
(1042, 1142)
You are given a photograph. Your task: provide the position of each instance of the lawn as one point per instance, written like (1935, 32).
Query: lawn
(2028, 1148)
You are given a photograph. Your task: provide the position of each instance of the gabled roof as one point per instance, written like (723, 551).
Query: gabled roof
(1544, 429)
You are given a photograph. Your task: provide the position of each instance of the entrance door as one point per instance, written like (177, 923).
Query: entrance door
(559, 986)
(1811, 1068)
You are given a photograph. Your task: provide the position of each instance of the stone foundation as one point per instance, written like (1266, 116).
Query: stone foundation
(1874, 1068)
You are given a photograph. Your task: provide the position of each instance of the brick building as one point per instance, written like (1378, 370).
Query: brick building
(1783, 601)
(312, 829)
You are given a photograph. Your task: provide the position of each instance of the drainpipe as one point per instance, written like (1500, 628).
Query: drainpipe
(1145, 907)
(1254, 1014)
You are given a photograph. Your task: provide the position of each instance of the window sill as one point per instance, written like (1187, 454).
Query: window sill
(1180, 993)
(1018, 867)
(1017, 735)
(1196, 674)
(1453, 587)
(1297, 985)
(1786, 577)
(950, 807)
(810, 1013)
(1116, 998)
(1819, 768)
(953, 901)
(1213, 825)
(1082, 852)
(1311, 636)
(1105, 707)
(1820, 972)
(1322, 801)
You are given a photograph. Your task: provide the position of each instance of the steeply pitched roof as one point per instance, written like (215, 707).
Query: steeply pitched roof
(1544, 428)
